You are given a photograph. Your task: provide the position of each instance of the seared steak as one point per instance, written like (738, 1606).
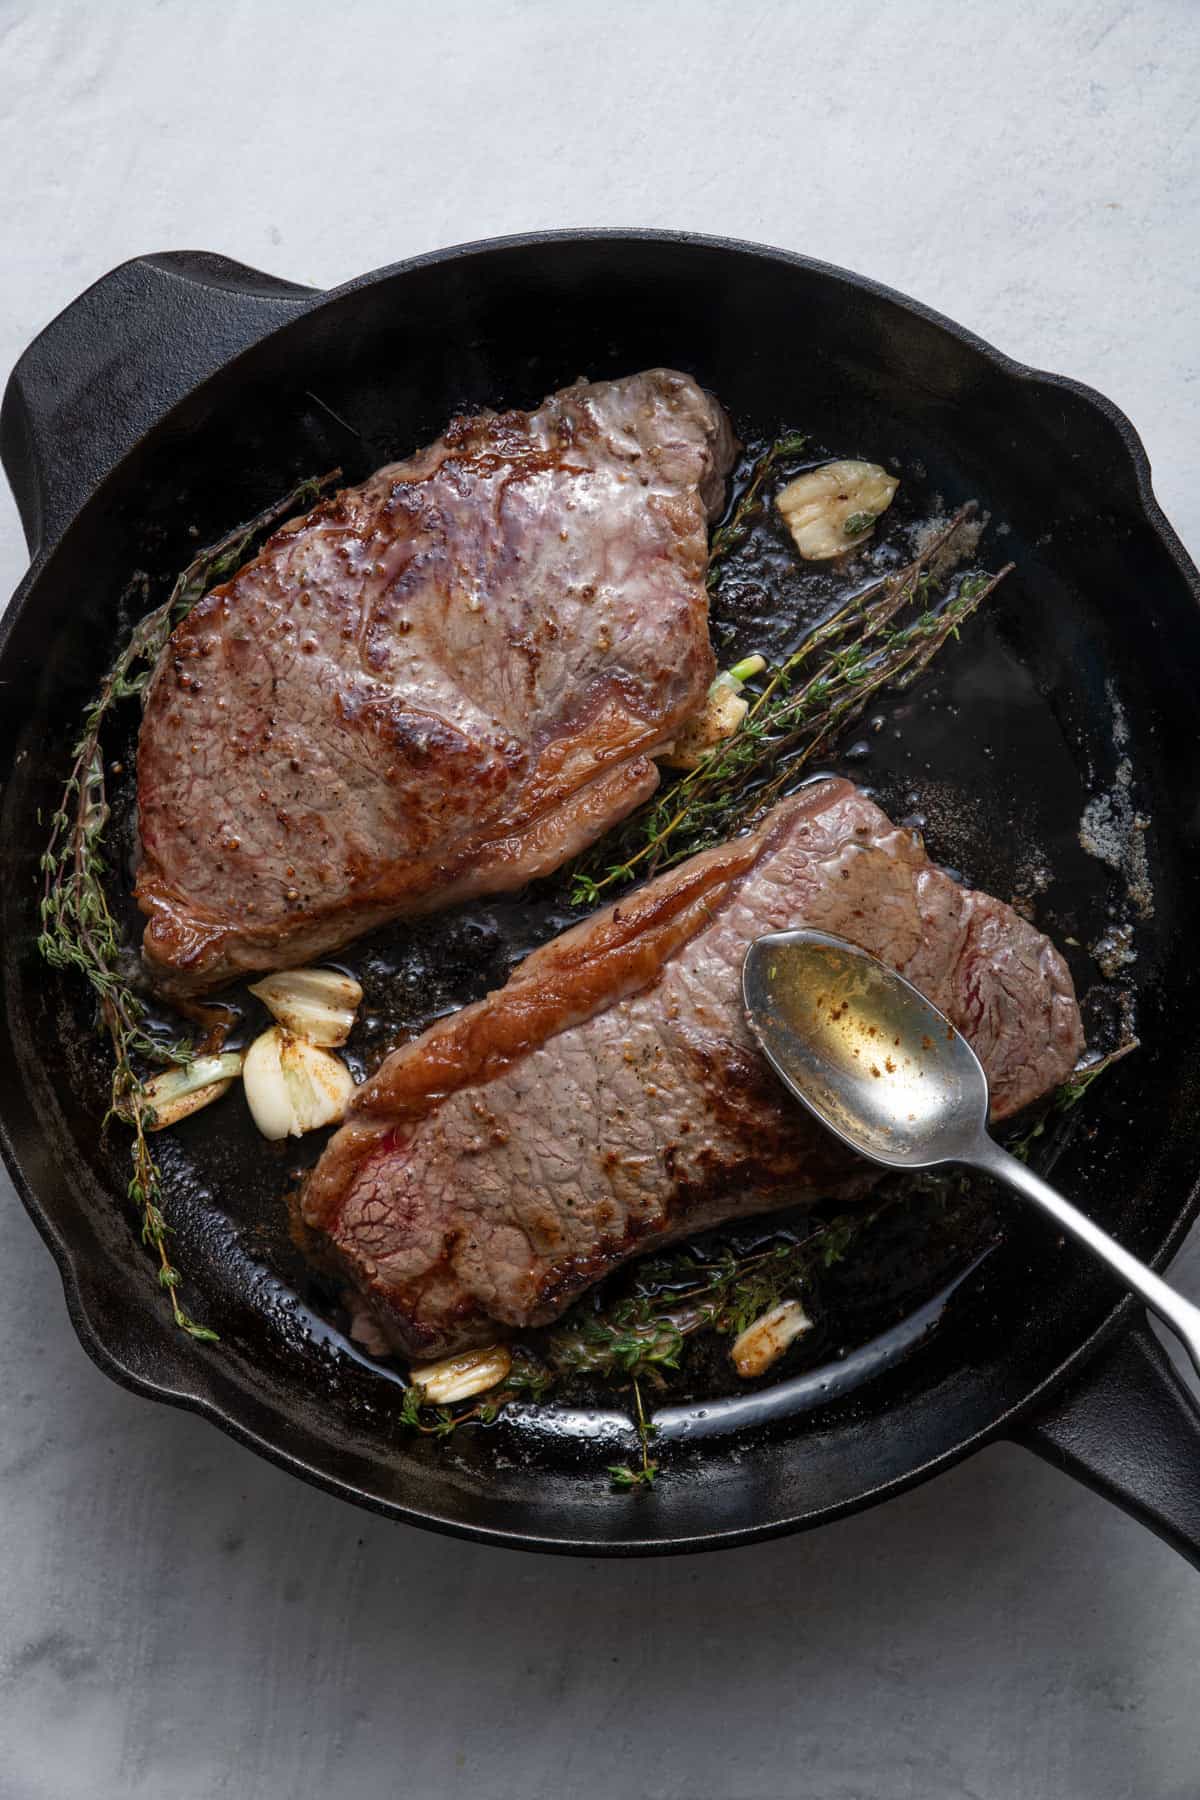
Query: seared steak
(610, 1097)
(440, 683)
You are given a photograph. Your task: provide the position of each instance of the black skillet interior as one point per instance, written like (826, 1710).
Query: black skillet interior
(1077, 683)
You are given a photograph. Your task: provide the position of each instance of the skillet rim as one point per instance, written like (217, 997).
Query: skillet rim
(76, 1279)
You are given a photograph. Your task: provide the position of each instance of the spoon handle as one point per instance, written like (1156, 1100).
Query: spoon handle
(1174, 1311)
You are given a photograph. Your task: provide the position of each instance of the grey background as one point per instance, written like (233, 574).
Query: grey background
(178, 1618)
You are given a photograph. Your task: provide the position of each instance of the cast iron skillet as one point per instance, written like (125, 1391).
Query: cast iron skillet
(182, 392)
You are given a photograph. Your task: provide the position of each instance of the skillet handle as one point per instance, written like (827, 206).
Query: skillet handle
(114, 361)
(1130, 1430)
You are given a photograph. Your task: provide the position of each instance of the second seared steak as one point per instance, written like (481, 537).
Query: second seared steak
(610, 1098)
(441, 683)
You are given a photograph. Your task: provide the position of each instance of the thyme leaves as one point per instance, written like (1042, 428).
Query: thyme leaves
(1066, 1097)
(730, 536)
(639, 1336)
(882, 636)
(622, 1475)
(79, 934)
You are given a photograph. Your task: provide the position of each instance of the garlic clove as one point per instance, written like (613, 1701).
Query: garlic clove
(722, 713)
(832, 510)
(764, 1342)
(178, 1092)
(463, 1376)
(293, 1086)
(316, 1004)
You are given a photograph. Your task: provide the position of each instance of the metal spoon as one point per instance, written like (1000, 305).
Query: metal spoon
(888, 1074)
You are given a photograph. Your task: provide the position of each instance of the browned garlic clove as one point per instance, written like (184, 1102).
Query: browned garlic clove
(463, 1376)
(178, 1092)
(721, 715)
(833, 509)
(315, 1004)
(764, 1342)
(292, 1086)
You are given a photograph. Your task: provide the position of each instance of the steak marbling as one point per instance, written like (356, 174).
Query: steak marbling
(609, 1097)
(441, 683)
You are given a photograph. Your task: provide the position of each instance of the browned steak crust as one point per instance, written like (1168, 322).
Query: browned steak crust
(609, 1097)
(438, 684)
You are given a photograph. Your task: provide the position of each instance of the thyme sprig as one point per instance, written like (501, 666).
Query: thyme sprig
(728, 537)
(1066, 1097)
(639, 1335)
(642, 1333)
(78, 930)
(622, 1475)
(883, 635)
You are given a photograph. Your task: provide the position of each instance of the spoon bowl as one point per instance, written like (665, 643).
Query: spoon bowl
(864, 1050)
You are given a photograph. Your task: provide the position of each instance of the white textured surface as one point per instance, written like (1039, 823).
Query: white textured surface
(179, 1618)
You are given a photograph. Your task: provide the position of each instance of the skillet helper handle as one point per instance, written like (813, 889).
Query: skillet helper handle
(1130, 1430)
(114, 362)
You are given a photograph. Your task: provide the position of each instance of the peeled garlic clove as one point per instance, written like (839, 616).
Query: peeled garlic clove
(315, 1004)
(764, 1342)
(180, 1091)
(833, 509)
(722, 713)
(292, 1086)
(462, 1377)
